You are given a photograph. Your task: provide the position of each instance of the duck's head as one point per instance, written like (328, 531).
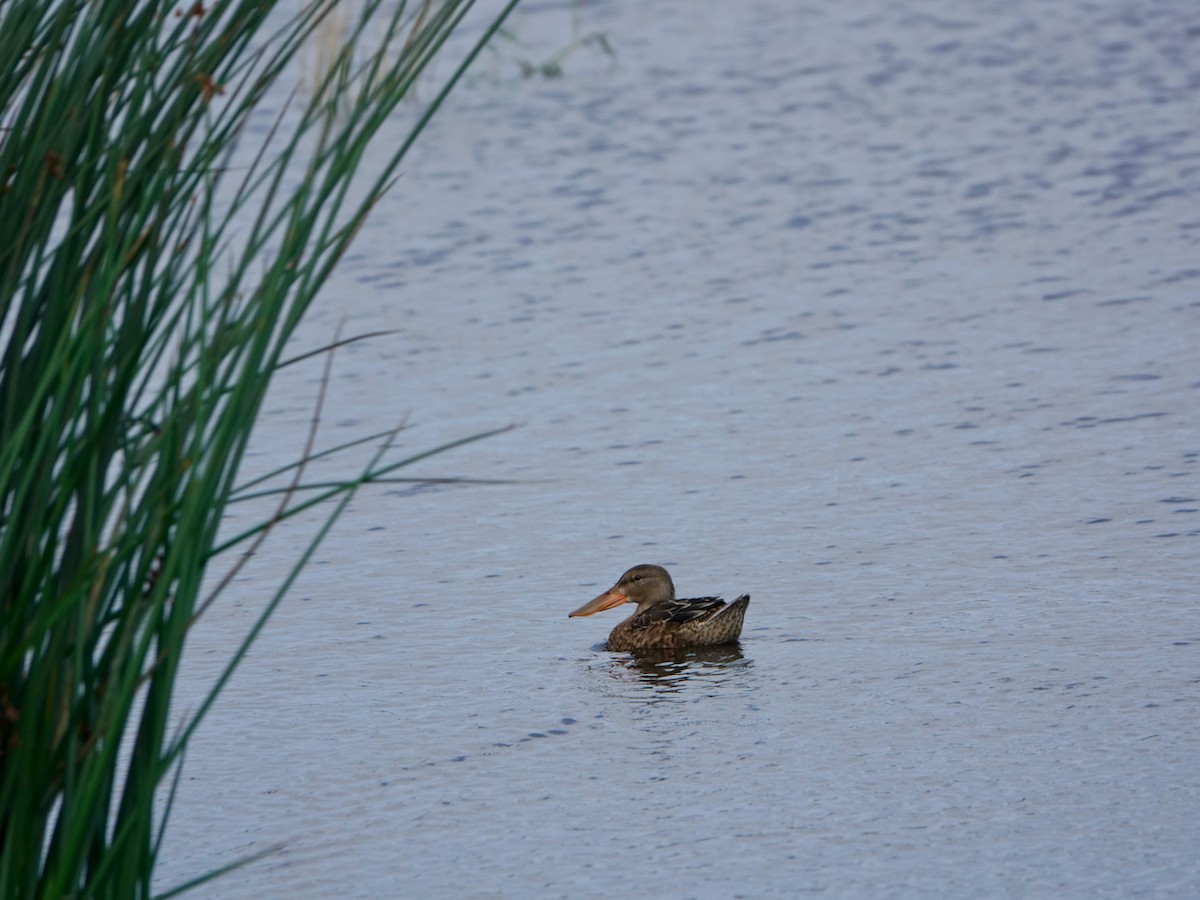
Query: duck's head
(644, 585)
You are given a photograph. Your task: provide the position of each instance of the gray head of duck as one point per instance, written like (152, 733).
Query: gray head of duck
(644, 585)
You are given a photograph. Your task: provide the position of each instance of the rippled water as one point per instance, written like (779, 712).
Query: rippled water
(886, 314)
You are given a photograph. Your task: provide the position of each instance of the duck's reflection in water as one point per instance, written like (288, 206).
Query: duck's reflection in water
(674, 671)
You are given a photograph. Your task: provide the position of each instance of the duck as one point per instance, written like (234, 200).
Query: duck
(662, 621)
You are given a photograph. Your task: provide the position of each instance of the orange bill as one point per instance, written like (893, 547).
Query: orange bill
(610, 598)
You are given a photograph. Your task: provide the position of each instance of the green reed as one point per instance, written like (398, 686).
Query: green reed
(148, 289)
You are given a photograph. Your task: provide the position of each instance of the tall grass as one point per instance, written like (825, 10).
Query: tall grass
(147, 292)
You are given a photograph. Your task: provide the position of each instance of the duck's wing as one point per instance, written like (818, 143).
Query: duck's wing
(677, 612)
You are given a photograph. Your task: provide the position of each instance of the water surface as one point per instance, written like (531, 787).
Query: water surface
(885, 314)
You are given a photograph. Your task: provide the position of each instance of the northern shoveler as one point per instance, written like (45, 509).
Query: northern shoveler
(662, 622)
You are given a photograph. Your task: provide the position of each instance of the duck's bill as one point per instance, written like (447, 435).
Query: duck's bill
(610, 598)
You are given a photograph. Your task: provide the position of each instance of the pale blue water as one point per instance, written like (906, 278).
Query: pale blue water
(886, 314)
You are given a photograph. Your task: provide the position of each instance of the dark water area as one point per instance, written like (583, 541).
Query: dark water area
(885, 314)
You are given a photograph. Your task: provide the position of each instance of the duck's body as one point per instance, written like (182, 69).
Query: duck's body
(662, 622)
(678, 624)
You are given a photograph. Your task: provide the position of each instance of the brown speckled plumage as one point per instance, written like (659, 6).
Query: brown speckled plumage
(662, 622)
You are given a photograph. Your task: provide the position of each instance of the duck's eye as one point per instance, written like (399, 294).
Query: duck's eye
(637, 577)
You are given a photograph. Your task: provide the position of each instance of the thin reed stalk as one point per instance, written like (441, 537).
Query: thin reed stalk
(148, 291)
